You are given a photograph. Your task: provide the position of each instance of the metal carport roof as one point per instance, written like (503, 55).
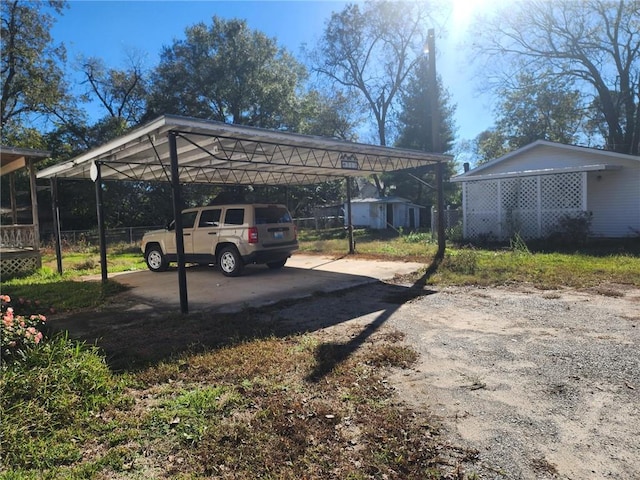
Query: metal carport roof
(187, 150)
(219, 153)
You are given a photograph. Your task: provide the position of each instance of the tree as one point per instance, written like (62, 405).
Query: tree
(594, 43)
(121, 92)
(414, 127)
(488, 145)
(532, 109)
(229, 73)
(371, 51)
(31, 78)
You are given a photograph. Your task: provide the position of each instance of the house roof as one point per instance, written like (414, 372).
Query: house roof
(605, 163)
(220, 153)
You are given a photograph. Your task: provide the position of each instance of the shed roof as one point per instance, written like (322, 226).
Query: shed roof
(220, 153)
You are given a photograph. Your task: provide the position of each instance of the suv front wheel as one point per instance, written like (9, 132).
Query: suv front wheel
(156, 260)
(230, 262)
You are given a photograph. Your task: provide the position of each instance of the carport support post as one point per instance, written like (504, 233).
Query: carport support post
(177, 215)
(350, 224)
(56, 222)
(442, 241)
(101, 234)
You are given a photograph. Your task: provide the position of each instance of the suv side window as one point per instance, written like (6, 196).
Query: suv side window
(188, 219)
(234, 216)
(209, 218)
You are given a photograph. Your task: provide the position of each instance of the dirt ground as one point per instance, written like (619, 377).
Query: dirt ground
(543, 384)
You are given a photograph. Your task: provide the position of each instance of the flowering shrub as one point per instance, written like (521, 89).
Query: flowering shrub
(19, 333)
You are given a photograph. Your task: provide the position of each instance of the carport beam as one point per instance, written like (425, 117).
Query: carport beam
(177, 215)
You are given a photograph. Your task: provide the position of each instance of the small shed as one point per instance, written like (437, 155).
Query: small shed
(530, 189)
(381, 213)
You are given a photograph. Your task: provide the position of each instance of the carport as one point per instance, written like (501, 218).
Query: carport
(182, 150)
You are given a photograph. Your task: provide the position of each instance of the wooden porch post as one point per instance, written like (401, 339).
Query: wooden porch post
(34, 203)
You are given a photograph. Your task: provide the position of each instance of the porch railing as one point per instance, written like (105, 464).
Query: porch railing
(19, 237)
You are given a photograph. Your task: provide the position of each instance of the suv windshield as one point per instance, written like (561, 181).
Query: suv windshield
(272, 215)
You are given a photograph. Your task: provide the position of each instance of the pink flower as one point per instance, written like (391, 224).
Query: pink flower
(5, 298)
(38, 338)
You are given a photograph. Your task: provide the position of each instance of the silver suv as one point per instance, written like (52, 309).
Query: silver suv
(230, 236)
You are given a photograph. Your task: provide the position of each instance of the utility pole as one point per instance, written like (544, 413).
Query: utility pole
(435, 138)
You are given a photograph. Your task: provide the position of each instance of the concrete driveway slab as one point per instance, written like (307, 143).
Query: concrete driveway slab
(304, 275)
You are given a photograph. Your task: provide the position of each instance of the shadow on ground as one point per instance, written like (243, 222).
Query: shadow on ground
(133, 339)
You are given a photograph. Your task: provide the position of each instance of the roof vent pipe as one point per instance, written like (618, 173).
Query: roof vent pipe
(465, 165)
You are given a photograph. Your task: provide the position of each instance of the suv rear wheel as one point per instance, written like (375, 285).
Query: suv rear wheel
(156, 260)
(230, 262)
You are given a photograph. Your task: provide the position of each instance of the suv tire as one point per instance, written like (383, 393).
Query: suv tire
(156, 260)
(230, 262)
(276, 265)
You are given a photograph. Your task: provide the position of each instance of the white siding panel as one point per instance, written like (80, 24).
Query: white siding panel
(360, 212)
(614, 199)
(544, 157)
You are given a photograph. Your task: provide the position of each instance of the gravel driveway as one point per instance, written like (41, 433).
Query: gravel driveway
(543, 384)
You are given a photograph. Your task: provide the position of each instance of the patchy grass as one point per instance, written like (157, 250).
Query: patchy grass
(543, 270)
(45, 292)
(245, 410)
(595, 263)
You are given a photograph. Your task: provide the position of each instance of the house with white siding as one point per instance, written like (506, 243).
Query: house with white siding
(529, 190)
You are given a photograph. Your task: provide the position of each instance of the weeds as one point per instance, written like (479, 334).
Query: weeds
(464, 261)
(47, 403)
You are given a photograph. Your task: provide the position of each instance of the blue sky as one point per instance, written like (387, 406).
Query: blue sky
(109, 29)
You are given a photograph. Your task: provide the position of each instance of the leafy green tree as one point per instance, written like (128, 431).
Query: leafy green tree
(592, 43)
(229, 73)
(533, 109)
(29, 73)
(488, 145)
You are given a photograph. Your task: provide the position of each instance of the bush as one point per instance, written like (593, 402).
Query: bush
(572, 229)
(19, 333)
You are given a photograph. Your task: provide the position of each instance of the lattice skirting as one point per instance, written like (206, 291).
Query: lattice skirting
(528, 205)
(19, 263)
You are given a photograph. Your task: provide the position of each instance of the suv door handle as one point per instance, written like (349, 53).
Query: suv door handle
(212, 233)
(186, 234)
